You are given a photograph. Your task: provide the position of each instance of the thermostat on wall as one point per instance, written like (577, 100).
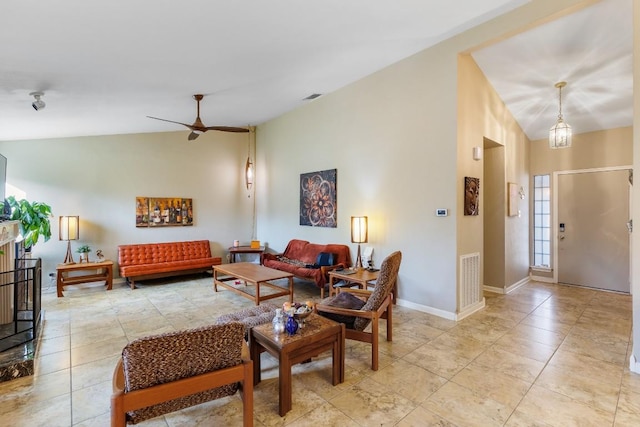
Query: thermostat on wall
(442, 212)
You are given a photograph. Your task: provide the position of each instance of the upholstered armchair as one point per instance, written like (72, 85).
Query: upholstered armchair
(357, 308)
(172, 371)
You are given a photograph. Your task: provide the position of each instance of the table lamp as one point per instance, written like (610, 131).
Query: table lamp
(359, 234)
(69, 230)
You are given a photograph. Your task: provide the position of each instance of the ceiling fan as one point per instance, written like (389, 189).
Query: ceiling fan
(198, 127)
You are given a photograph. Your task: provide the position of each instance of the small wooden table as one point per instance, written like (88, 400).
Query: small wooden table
(361, 278)
(103, 271)
(234, 251)
(258, 275)
(319, 334)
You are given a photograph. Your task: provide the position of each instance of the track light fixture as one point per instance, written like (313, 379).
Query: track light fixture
(38, 104)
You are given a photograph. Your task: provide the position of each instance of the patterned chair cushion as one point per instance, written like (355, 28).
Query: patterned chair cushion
(172, 356)
(250, 317)
(343, 300)
(384, 285)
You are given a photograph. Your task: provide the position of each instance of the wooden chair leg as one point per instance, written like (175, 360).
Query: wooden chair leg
(390, 322)
(374, 343)
(118, 417)
(247, 394)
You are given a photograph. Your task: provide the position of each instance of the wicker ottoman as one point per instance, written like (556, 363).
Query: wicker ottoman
(250, 317)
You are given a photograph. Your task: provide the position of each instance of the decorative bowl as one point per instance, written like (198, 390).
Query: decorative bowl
(302, 315)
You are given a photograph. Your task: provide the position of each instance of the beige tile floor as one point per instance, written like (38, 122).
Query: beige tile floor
(543, 355)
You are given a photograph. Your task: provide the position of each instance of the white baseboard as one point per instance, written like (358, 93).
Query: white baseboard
(634, 364)
(511, 288)
(426, 309)
(442, 313)
(518, 284)
(542, 279)
(470, 310)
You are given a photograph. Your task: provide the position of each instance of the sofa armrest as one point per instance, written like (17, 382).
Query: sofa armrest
(268, 255)
(327, 268)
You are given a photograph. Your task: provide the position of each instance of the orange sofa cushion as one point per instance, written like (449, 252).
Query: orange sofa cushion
(159, 258)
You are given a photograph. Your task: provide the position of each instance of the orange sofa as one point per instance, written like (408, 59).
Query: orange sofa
(300, 256)
(153, 260)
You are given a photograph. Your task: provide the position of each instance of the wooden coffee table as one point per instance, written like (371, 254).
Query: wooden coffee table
(258, 275)
(318, 334)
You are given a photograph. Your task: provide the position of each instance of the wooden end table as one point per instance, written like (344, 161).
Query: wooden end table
(258, 275)
(319, 334)
(98, 271)
(361, 278)
(234, 251)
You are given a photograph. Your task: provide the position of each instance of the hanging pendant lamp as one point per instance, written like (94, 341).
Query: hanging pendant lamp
(560, 133)
(248, 169)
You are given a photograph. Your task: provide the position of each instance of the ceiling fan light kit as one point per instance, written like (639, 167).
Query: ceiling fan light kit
(198, 128)
(560, 134)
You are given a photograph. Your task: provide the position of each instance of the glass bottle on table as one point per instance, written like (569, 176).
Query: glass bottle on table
(278, 322)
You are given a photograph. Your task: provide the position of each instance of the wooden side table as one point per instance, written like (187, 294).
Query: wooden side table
(96, 271)
(361, 278)
(319, 334)
(235, 250)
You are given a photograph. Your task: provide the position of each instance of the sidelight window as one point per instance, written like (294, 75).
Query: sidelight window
(541, 221)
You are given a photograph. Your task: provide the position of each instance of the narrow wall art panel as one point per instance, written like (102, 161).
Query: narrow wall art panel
(318, 198)
(471, 195)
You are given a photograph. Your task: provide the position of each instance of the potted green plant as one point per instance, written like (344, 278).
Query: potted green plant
(84, 252)
(34, 220)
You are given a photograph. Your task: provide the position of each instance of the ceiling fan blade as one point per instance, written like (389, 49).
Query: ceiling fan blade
(172, 121)
(227, 129)
(193, 135)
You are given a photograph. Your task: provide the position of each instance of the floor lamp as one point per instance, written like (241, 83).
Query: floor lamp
(359, 234)
(69, 230)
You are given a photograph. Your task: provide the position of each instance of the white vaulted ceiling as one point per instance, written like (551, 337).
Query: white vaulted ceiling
(105, 66)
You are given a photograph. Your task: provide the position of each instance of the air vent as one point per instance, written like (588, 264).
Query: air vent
(312, 96)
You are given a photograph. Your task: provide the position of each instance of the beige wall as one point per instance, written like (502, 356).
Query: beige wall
(635, 237)
(612, 147)
(400, 153)
(98, 179)
(483, 116)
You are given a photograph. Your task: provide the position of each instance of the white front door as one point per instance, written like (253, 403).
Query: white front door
(593, 238)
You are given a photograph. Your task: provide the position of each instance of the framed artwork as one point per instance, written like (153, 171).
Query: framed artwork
(471, 195)
(163, 211)
(318, 198)
(513, 196)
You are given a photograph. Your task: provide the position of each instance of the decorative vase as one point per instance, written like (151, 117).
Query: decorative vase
(291, 326)
(278, 322)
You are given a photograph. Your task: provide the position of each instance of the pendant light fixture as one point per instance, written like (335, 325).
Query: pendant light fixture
(560, 133)
(248, 169)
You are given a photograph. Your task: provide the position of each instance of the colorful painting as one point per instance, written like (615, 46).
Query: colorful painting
(163, 211)
(471, 195)
(318, 198)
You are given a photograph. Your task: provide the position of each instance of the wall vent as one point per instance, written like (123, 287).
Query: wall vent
(470, 292)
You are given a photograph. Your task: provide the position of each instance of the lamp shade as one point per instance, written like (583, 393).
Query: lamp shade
(69, 227)
(359, 229)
